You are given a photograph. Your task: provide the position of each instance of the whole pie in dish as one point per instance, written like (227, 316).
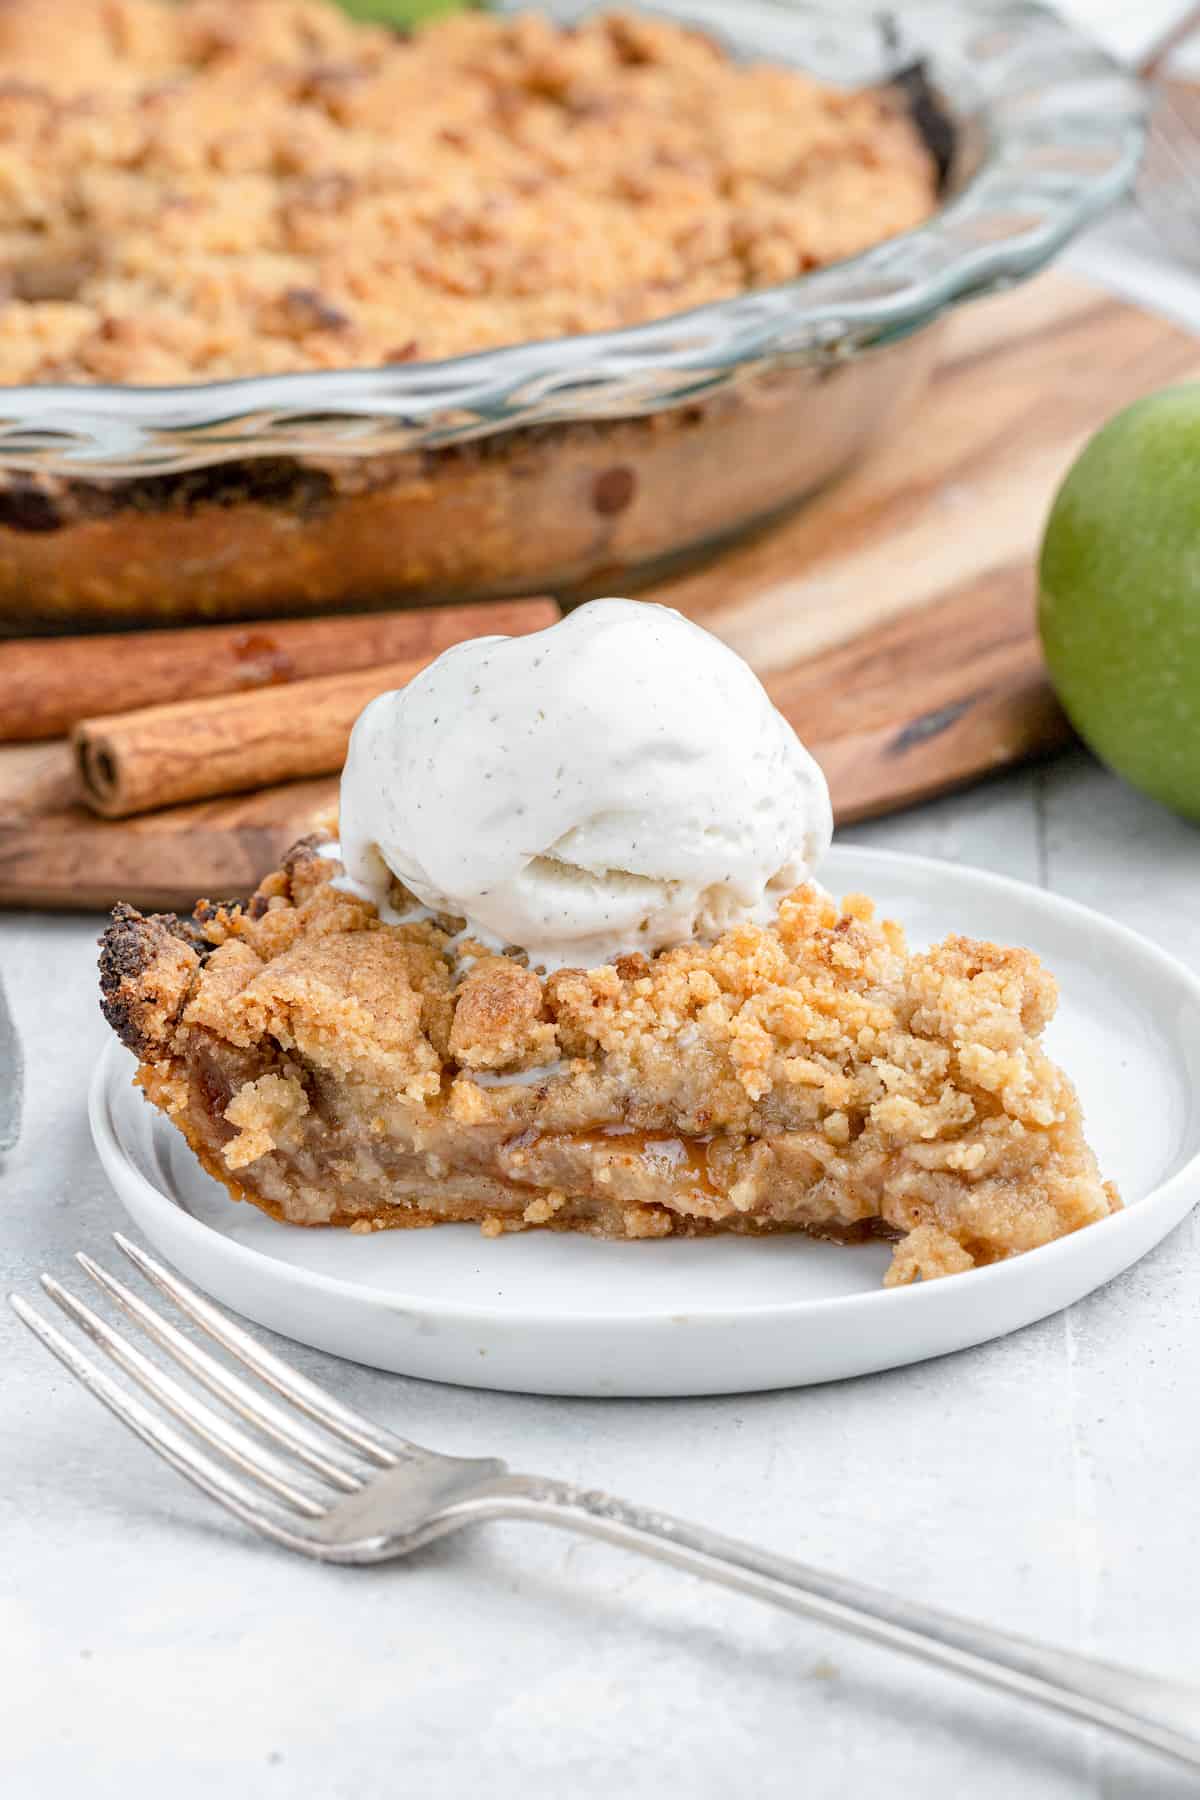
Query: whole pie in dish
(809, 1075)
(220, 189)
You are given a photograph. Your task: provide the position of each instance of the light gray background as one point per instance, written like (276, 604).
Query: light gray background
(1047, 1483)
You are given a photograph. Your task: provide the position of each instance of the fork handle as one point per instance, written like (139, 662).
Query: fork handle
(1161, 1714)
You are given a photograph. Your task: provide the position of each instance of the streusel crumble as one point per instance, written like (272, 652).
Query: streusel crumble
(814, 1075)
(220, 188)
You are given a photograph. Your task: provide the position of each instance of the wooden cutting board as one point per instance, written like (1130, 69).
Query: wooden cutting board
(892, 620)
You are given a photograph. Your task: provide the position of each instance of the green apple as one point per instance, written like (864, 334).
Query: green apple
(403, 12)
(1119, 608)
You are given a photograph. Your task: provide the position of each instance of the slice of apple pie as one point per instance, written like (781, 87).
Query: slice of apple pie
(813, 1075)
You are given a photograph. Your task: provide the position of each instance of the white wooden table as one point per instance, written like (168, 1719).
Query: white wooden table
(1048, 1483)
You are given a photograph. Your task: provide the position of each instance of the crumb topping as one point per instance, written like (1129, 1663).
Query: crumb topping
(219, 188)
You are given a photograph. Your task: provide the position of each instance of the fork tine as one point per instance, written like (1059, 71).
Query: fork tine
(375, 1441)
(260, 1464)
(237, 1497)
(277, 1422)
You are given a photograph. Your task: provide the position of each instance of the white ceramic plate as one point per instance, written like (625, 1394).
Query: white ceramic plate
(558, 1314)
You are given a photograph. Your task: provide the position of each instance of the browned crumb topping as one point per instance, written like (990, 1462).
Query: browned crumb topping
(813, 1075)
(146, 975)
(229, 187)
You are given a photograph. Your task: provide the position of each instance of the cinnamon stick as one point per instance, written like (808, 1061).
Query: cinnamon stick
(48, 684)
(195, 749)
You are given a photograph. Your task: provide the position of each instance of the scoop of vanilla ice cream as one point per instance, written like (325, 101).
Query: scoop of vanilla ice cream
(619, 781)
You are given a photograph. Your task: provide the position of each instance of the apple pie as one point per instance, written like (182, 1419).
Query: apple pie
(814, 1075)
(219, 188)
(216, 189)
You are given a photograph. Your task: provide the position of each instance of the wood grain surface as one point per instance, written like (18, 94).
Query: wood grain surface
(892, 619)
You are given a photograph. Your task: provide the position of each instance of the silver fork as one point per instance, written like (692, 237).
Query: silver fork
(350, 1491)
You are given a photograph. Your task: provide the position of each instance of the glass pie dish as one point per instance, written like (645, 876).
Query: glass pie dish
(582, 464)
